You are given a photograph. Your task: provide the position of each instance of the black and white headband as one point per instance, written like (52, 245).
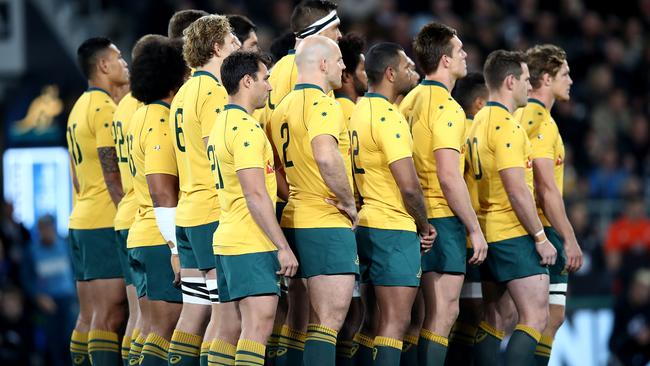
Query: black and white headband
(320, 25)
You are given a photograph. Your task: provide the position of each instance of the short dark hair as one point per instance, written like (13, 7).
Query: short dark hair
(181, 20)
(544, 59)
(241, 26)
(500, 64)
(88, 52)
(379, 57)
(281, 45)
(351, 45)
(240, 64)
(309, 11)
(158, 70)
(468, 89)
(431, 43)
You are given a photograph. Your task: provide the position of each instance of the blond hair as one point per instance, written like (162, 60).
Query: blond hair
(201, 36)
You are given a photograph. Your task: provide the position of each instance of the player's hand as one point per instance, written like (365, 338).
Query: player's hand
(176, 267)
(288, 262)
(427, 237)
(350, 210)
(547, 251)
(480, 247)
(573, 255)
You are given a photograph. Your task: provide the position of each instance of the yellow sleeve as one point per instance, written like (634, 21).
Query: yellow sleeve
(326, 119)
(509, 147)
(248, 149)
(101, 123)
(159, 155)
(544, 141)
(448, 129)
(212, 106)
(393, 138)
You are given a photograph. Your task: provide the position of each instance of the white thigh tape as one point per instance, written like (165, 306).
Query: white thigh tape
(194, 291)
(213, 290)
(471, 290)
(557, 294)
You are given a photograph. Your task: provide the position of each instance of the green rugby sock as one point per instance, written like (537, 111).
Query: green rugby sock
(521, 347)
(79, 348)
(320, 346)
(104, 348)
(184, 349)
(432, 348)
(543, 350)
(365, 351)
(409, 351)
(486, 345)
(291, 346)
(461, 344)
(387, 351)
(155, 351)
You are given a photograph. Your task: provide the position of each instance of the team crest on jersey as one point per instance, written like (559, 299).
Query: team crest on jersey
(269, 168)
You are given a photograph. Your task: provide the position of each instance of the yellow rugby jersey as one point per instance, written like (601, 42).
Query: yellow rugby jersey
(193, 112)
(497, 142)
(545, 139)
(151, 151)
(437, 122)
(89, 127)
(302, 115)
(238, 142)
(347, 106)
(282, 79)
(379, 136)
(128, 205)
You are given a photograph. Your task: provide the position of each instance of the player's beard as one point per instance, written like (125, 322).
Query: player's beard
(359, 88)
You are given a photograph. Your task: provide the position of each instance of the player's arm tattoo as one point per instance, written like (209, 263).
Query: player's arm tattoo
(108, 160)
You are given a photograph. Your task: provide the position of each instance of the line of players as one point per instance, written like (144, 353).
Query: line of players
(398, 155)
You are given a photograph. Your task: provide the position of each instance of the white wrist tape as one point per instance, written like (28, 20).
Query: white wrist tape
(166, 220)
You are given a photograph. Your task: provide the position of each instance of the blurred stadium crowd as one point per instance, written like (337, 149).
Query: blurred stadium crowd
(605, 128)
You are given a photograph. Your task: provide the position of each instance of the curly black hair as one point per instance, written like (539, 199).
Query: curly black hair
(351, 45)
(158, 70)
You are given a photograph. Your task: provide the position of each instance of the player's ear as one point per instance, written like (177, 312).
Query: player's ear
(323, 65)
(547, 79)
(103, 64)
(509, 81)
(389, 74)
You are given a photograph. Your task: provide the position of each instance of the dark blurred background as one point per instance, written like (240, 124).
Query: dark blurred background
(604, 126)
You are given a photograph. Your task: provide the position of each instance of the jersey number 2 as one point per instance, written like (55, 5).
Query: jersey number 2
(284, 130)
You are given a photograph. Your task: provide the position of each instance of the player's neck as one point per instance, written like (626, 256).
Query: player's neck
(385, 89)
(506, 100)
(242, 101)
(443, 77)
(546, 97)
(213, 67)
(319, 82)
(102, 83)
